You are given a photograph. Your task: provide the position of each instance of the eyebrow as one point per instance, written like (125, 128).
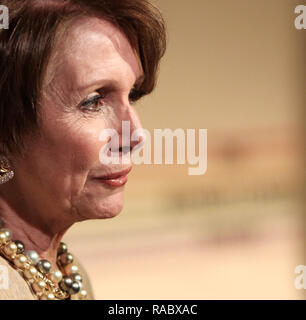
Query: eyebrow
(99, 83)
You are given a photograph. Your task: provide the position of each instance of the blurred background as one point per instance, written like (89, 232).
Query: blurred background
(236, 68)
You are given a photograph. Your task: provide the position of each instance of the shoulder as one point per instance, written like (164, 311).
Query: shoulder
(86, 280)
(12, 284)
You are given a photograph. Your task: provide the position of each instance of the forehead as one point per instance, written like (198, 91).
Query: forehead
(93, 50)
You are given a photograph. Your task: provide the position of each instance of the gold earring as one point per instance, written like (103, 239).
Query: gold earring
(6, 172)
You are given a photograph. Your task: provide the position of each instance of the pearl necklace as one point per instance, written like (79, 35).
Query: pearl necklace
(39, 275)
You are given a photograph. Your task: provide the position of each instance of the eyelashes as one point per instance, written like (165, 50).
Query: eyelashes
(96, 103)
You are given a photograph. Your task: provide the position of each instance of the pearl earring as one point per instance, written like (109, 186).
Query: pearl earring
(6, 173)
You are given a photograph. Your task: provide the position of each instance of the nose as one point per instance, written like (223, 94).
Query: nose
(131, 132)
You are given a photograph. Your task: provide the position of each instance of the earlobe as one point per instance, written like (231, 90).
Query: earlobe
(6, 172)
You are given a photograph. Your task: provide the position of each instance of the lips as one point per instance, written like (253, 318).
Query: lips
(116, 179)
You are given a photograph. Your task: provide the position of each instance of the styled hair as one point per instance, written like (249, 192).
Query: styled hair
(26, 48)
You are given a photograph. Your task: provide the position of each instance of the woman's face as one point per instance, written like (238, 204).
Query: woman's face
(89, 81)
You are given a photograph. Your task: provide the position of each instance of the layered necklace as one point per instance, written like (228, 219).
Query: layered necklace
(45, 283)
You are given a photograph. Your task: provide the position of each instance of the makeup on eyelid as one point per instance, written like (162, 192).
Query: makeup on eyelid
(96, 98)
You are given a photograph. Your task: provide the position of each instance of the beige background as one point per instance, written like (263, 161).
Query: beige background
(236, 68)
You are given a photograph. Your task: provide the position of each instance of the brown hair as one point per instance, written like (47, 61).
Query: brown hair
(25, 49)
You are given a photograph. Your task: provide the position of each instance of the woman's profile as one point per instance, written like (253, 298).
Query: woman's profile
(68, 70)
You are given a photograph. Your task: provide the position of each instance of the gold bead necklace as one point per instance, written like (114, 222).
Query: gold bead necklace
(45, 283)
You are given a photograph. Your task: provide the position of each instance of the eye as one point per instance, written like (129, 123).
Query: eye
(94, 103)
(135, 95)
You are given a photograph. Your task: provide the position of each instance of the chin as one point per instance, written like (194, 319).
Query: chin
(111, 212)
(106, 208)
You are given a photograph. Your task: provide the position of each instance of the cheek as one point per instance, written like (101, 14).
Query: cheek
(79, 148)
(69, 147)
(84, 148)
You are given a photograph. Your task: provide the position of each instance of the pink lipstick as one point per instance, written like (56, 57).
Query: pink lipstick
(116, 179)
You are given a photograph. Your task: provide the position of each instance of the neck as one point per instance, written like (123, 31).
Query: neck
(33, 234)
